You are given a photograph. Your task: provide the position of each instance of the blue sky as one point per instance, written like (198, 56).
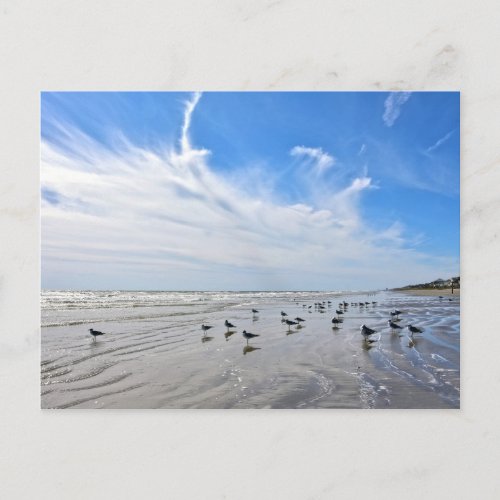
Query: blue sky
(249, 190)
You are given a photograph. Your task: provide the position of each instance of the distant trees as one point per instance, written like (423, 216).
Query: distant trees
(452, 283)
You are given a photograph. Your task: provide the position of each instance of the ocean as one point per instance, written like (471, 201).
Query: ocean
(155, 355)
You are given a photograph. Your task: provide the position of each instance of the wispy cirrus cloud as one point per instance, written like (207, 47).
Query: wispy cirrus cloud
(439, 142)
(129, 217)
(322, 161)
(393, 105)
(190, 105)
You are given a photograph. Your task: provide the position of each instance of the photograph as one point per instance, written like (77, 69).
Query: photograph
(250, 250)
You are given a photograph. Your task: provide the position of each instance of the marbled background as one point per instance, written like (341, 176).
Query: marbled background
(238, 45)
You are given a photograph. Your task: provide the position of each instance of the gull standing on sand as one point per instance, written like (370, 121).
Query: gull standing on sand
(249, 335)
(336, 322)
(95, 333)
(254, 311)
(394, 326)
(228, 325)
(289, 322)
(205, 328)
(414, 329)
(366, 332)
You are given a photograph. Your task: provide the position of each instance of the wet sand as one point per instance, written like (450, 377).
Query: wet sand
(167, 362)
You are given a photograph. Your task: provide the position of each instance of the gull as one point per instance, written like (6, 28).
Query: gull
(289, 322)
(299, 320)
(366, 332)
(339, 312)
(336, 322)
(249, 335)
(205, 328)
(394, 326)
(283, 314)
(228, 325)
(95, 333)
(414, 329)
(255, 311)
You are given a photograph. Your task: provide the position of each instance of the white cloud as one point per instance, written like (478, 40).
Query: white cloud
(188, 113)
(133, 218)
(393, 105)
(322, 161)
(439, 142)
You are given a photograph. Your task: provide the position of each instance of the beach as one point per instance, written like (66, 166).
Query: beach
(155, 355)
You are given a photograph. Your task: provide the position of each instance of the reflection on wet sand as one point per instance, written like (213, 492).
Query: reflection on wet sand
(412, 342)
(228, 334)
(205, 338)
(250, 348)
(367, 344)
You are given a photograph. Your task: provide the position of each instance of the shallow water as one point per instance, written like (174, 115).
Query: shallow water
(154, 354)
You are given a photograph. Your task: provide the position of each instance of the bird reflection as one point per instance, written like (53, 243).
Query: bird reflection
(250, 348)
(206, 338)
(228, 334)
(368, 344)
(412, 342)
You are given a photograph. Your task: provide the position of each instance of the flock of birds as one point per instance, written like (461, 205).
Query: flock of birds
(321, 307)
(366, 331)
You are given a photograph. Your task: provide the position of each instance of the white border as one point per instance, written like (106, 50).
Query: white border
(238, 45)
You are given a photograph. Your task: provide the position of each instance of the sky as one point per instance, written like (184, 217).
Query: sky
(249, 190)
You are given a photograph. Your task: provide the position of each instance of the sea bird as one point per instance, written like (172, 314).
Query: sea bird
(414, 329)
(338, 312)
(228, 325)
(299, 320)
(366, 332)
(205, 328)
(95, 333)
(255, 311)
(283, 314)
(289, 322)
(394, 326)
(249, 335)
(336, 322)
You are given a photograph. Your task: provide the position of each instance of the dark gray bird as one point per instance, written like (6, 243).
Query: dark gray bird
(299, 320)
(255, 311)
(289, 322)
(95, 333)
(414, 329)
(394, 326)
(283, 314)
(338, 312)
(249, 335)
(366, 332)
(228, 325)
(336, 322)
(205, 328)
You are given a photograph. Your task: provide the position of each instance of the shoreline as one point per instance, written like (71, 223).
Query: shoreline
(445, 292)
